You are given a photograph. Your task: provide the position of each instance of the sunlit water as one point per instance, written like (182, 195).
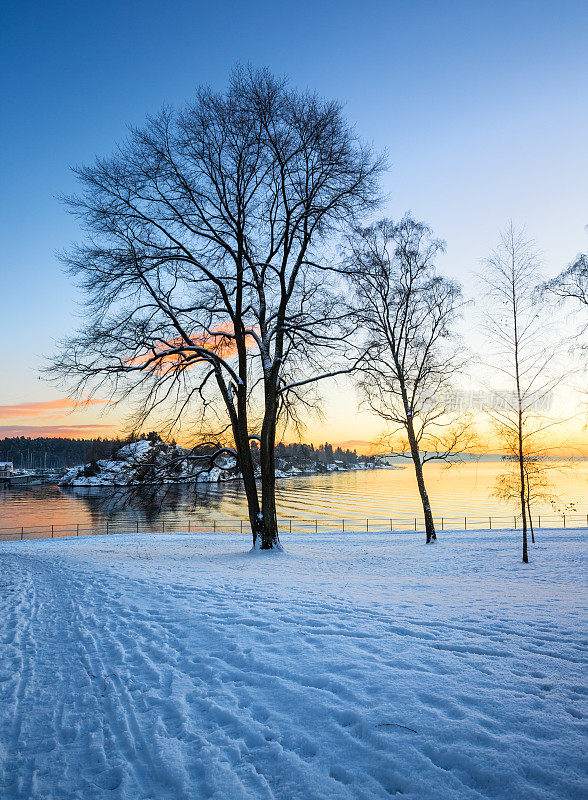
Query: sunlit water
(376, 499)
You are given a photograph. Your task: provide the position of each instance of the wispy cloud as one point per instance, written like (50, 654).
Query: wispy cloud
(61, 431)
(219, 340)
(45, 408)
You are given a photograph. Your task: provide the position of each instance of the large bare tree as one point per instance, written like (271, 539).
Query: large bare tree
(407, 313)
(521, 355)
(206, 267)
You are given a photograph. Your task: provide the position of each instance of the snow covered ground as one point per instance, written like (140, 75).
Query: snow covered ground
(350, 666)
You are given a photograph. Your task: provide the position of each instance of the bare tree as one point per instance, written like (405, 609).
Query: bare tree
(572, 285)
(407, 313)
(521, 355)
(207, 262)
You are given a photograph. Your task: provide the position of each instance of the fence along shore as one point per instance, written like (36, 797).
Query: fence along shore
(380, 524)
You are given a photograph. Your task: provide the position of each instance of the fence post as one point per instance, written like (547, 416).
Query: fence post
(490, 525)
(214, 526)
(465, 523)
(367, 526)
(163, 526)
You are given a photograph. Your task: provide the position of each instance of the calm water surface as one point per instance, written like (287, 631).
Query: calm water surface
(384, 494)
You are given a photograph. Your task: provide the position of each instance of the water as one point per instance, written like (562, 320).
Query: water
(374, 495)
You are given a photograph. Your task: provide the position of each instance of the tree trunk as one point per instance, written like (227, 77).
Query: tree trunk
(269, 535)
(524, 520)
(243, 447)
(530, 517)
(523, 507)
(254, 513)
(418, 468)
(523, 493)
(520, 423)
(529, 507)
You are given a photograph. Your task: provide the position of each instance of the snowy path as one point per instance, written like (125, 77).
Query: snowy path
(354, 667)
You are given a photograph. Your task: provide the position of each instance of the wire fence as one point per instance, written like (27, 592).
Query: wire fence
(291, 525)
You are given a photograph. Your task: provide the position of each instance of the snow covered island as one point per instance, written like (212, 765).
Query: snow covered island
(150, 461)
(147, 462)
(349, 667)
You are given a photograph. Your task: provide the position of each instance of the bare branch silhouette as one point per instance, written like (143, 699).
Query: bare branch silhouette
(407, 313)
(207, 265)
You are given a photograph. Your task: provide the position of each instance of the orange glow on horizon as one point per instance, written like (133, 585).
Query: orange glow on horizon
(342, 426)
(59, 431)
(41, 408)
(362, 446)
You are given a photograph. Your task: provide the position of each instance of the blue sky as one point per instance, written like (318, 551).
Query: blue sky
(482, 107)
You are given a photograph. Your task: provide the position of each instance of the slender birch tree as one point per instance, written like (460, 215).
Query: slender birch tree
(521, 358)
(407, 315)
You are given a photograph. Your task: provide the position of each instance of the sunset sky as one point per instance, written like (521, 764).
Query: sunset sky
(482, 108)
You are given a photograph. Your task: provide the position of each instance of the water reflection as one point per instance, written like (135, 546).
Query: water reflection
(148, 504)
(463, 490)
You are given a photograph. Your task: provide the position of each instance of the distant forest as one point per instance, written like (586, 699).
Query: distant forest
(57, 453)
(54, 452)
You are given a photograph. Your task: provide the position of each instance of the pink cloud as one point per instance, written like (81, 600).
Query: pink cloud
(41, 408)
(61, 431)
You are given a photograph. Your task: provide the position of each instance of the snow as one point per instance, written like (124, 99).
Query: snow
(165, 464)
(135, 449)
(127, 467)
(355, 666)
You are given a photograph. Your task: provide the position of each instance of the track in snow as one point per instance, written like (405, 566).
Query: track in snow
(355, 668)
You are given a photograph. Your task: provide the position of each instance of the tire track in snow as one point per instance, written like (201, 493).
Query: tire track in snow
(258, 697)
(119, 718)
(209, 751)
(118, 741)
(18, 768)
